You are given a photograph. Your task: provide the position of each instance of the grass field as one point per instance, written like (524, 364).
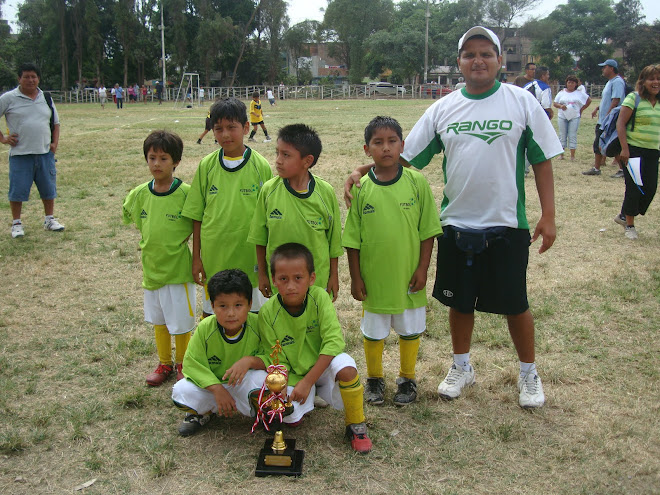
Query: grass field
(74, 349)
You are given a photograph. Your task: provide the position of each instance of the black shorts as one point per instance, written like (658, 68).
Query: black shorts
(492, 281)
(599, 131)
(261, 122)
(208, 125)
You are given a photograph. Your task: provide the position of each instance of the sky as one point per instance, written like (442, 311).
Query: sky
(299, 10)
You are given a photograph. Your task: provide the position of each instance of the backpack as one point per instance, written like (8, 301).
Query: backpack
(49, 101)
(609, 140)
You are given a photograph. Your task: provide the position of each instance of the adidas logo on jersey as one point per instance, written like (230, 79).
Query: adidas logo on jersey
(215, 360)
(213, 189)
(143, 214)
(275, 214)
(288, 340)
(368, 209)
(492, 129)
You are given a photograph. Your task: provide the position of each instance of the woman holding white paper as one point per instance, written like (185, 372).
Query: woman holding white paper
(643, 142)
(570, 103)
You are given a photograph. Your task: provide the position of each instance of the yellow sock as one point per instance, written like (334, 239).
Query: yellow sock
(373, 353)
(163, 344)
(180, 346)
(351, 393)
(408, 348)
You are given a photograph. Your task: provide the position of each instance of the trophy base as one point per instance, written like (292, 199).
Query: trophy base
(288, 463)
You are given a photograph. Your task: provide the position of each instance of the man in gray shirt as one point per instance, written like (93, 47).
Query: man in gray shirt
(34, 132)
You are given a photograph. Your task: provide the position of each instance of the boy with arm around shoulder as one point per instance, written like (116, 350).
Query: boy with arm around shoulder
(169, 294)
(389, 235)
(223, 198)
(302, 318)
(298, 206)
(220, 365)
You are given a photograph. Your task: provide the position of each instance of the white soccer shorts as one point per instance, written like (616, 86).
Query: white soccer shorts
(172, 305)
(377, 326)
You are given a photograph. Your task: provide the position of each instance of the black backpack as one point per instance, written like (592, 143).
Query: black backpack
(49, 101)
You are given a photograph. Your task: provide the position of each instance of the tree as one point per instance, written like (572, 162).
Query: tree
(296, 38)
(501, 14)
(272, 19)
(642, 49)
(629, 16)
(350, 23)
(575, 33)
(213, 33)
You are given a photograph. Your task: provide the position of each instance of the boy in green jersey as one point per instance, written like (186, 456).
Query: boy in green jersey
(303, 321)
(223, 198)
(169, 294)
(220, 365)
(389, 235)
(298, 206)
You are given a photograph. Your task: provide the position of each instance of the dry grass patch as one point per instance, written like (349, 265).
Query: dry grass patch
(75, 349)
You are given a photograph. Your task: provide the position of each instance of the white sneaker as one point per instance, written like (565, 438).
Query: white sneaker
(267, 140)
(631, 233)
(17, 230)
(53, 225)
(456, 379)
(531, 391)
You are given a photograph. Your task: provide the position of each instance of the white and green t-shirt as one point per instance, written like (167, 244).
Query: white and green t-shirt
(166, 257)
(484, 139)
(647, 123)
(387, 222)
(211, 353)
(310, 218)
(224, 200)
(304, 336)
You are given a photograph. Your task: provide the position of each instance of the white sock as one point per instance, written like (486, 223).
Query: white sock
(527, 368)
(462, 361)
(16, 221)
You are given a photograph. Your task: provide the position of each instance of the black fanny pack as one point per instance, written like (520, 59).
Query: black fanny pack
(475, 241)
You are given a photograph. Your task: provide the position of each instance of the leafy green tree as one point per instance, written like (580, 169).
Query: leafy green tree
(629, 16)
(350, 23)
(296, 40)
(577, 32)
(642, 49)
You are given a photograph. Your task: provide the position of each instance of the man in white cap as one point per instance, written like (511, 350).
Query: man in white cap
(485, 130)
(613, 93)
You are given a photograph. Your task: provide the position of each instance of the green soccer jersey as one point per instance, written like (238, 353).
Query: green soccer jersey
(224, 200)
(211, 353)
(166, 257)
(311, 218)
(303, 337)
(387, 222)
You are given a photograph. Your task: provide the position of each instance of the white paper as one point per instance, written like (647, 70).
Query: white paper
(634, 169)
(571, 112)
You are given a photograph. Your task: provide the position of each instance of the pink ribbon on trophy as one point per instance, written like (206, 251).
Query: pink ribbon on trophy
(265, 411)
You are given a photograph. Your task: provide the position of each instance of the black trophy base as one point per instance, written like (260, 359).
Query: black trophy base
(288, 463)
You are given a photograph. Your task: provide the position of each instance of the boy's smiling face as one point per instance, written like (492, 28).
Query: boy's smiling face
(292, 279)
(229, 134)
(231, 311)
(161, 165)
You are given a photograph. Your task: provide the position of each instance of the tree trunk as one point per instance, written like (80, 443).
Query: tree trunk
(243, 43)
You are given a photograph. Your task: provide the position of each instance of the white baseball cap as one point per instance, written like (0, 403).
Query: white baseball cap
(480, 30)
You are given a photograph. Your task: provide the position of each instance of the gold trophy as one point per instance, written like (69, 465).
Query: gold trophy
(279, 456)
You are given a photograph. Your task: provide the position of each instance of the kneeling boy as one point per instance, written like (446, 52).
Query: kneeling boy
(303, 320)
(220, 364)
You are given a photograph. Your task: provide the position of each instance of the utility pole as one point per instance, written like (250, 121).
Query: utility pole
(162, 44)
(426, 45)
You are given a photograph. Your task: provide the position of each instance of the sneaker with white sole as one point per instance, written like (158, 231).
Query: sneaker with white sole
(617, 175)
(620, 219)
(192, 423)
(53, 225)
(592, 171)
(17, 230)
(531, 391)
(455, 381)
(267, 140)
(631, 233)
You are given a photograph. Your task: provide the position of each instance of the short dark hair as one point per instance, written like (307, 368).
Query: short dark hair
(303, 138)
(292, 251)
(540, 71)
(230, 109)
(528, 65)
(165, 141)
(480, 37)
(382, 123)
(28, 67)
(255, 94)
(233, 281)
